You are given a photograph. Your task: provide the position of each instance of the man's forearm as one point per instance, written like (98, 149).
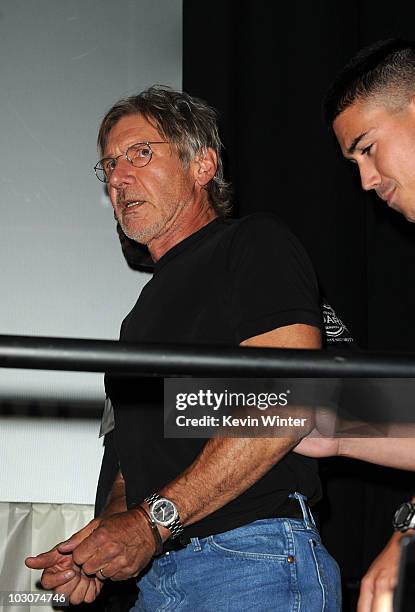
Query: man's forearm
(391, 452)
(225, 468)
(116, 501)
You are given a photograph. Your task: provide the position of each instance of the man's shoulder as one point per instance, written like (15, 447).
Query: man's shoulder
(258, 227)
(265, 233)
(260, 219)
(252, 229)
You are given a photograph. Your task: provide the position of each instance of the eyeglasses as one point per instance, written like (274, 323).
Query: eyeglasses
(139, 155)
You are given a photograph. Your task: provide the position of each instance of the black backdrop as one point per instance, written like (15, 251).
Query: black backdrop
(265, 66)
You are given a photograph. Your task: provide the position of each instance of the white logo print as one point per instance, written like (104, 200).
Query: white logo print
(334, 326)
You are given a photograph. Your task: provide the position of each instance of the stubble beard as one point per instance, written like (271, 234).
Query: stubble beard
(150, 232)
(145, 235)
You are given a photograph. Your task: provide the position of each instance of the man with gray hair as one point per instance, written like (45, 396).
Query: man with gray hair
(218, 524)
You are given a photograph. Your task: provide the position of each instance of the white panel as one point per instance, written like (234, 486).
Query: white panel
(63, 64)
(49, 460)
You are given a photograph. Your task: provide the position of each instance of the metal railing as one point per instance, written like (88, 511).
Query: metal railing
(32, 352)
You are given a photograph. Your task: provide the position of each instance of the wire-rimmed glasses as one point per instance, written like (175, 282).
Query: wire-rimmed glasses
(138, 154)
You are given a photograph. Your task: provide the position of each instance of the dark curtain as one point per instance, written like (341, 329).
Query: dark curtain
(265, 67)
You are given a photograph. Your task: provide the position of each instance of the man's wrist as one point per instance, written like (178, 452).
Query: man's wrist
(165, 533)
(398, 535)
(158, 542)
(163, 511)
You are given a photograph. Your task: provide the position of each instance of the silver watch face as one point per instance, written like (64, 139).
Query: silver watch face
(164, 512)
(404, 518)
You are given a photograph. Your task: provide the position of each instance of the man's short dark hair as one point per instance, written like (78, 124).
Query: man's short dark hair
(384, 70)
(188, 123)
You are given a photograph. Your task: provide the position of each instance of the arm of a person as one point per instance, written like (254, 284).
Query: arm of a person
(230, 465)
(116, 500)
(391, 452)
(376, 591)
(59, 570)
(226, 467)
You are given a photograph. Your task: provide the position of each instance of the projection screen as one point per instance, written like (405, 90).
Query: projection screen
(63, 64)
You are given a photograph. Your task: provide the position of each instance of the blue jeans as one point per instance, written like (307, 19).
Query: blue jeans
(271, 564)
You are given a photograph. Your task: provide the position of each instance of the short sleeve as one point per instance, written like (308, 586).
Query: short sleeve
(271, 278)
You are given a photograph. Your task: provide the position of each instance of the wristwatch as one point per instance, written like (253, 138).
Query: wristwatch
(404, 518)
(164, 512)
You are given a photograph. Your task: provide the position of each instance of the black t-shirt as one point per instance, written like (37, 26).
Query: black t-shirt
(231, 280)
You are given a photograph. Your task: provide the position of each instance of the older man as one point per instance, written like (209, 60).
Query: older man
(221, 524)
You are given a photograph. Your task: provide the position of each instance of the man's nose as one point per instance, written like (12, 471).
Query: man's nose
(123, 174)
(369, 177)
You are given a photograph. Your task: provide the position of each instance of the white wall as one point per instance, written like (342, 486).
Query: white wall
(49, 460)
(63, 63)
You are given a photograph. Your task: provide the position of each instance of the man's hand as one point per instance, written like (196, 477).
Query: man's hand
(376, 591)
(60, 572)
(62, 575)
(121, 545)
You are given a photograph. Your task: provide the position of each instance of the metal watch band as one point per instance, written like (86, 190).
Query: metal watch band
(175, 527)
(152, 498)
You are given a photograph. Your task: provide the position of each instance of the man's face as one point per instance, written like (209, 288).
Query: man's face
(382, 143)
(150, 200)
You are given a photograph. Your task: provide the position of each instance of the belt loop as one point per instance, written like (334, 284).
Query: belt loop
(307, 515)
(197, 547)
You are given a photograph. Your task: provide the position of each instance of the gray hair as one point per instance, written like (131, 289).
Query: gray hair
(188, 123)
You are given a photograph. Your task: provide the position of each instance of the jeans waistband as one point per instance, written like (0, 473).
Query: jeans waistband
(294, 507)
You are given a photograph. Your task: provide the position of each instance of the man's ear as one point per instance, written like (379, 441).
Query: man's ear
(206, 163)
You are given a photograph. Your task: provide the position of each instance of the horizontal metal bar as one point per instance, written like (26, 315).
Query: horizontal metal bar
(32, 352)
